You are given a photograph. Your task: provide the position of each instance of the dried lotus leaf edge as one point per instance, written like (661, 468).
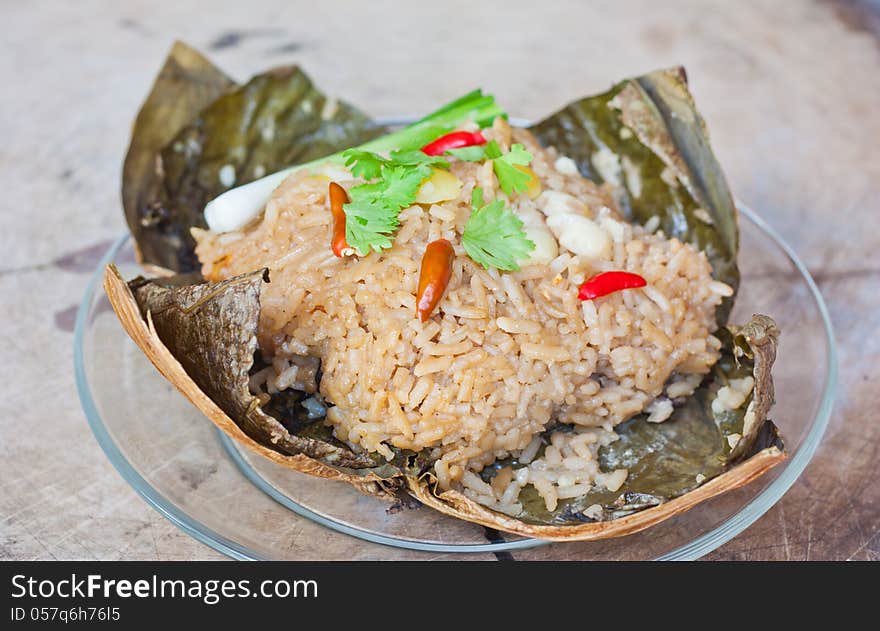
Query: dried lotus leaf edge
(452, 503)
(186, 83)
(144, 335)
(458, 505)
(760, 334)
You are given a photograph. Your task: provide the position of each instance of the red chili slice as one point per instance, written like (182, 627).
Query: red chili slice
(453, 140)
(609, 282)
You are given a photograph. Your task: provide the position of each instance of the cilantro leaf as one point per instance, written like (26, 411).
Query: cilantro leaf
(493, 150)
(365, 164)
(517, 155)
(417, 158)
(474, 153)
(371, 216)
(368, 221)
(368, 165)
(510, 178)
(494, 236)
(400, 184)
(366, 238)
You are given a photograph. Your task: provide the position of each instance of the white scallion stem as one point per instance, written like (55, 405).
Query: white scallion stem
(236, 207)
(233, 209)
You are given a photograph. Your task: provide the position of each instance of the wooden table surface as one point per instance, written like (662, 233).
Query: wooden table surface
(790, 91)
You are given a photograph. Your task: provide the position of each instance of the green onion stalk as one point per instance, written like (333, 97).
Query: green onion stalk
(236, 207)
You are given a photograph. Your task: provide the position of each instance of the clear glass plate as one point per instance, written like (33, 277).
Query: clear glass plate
(220, 494)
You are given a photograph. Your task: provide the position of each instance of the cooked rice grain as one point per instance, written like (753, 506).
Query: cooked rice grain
(503, 354)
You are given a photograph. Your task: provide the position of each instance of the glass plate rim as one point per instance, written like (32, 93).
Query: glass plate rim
(705, 543)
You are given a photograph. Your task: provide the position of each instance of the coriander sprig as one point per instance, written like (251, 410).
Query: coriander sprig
(372, 214)
(510, 178)
(234, 208)
(494, 236)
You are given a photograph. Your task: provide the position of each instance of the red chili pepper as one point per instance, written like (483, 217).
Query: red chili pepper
(338, 244)
(609, 282)
(454, 140)
(433, 276)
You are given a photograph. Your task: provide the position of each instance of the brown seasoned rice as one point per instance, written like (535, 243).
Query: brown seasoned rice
(504, 354)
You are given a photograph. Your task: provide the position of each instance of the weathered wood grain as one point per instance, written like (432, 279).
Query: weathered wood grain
(790, 90)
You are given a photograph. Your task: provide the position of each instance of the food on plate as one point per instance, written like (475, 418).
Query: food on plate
(523, 327)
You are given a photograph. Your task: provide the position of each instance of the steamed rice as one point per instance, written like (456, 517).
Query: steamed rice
(504, 355)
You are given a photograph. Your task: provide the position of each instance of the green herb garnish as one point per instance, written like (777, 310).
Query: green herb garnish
(474, 153)
(372, 214)
(248, 200)
(510, 178)
(494, 236)
(368, 165)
